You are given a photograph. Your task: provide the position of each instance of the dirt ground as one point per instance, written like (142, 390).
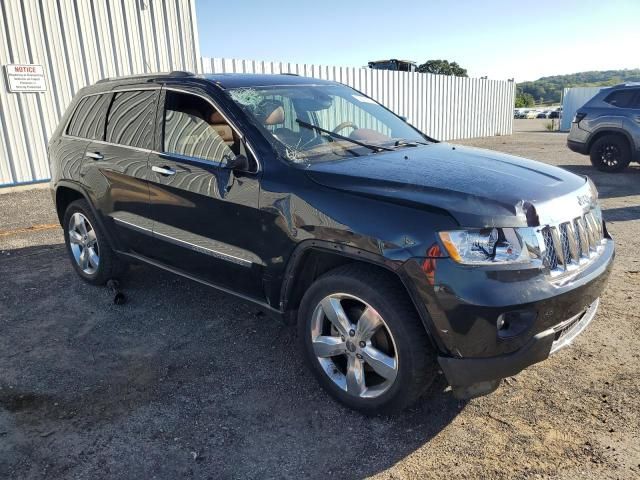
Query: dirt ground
(183, 381)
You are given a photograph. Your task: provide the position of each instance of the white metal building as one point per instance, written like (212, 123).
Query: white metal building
(59, 46)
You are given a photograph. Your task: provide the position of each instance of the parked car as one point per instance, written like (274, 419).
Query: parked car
(522, 114)
(394, 254)
(607, 128)
(531, 114)
(555, 114)
(544, 114)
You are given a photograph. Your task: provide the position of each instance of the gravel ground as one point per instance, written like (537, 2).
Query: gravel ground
(185, 382)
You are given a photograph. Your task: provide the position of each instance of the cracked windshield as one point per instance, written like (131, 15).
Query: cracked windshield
(325, 122)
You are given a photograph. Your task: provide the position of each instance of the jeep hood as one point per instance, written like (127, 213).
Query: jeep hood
(479, 188)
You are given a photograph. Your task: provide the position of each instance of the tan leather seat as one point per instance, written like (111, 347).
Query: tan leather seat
(272, 113)
(222, 128)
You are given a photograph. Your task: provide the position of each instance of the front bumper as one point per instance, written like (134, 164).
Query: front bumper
(470, 377)
(464, 306)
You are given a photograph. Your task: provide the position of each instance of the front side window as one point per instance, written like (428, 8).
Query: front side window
(193, 128)
(324, 122)
(88, 118)
(131, 118)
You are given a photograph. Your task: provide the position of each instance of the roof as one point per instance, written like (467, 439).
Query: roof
(224, 80)
(240, 80)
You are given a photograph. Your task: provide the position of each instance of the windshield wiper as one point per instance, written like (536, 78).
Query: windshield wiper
(408, 143)
(375, 148)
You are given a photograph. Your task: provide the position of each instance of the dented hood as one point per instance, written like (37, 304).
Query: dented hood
(479, 188)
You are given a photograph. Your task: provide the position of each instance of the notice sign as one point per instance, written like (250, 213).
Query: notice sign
(26, 78)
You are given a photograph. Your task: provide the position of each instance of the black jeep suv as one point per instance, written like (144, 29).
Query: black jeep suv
(395, 254)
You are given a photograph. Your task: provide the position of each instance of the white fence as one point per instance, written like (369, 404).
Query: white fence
(444, 107)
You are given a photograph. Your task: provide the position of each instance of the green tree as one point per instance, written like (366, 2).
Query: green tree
(524, 100)
(442, 67)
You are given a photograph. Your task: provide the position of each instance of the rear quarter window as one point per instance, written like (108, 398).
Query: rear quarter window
(131, 118)
(627, 98)
(88, 118)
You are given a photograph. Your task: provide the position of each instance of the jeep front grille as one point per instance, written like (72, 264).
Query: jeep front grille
(573, 243)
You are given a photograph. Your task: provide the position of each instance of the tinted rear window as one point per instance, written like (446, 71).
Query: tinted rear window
(88, 118)
(131, 118)
(622, 98)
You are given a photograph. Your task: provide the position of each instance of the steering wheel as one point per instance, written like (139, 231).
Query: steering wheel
(344, 125)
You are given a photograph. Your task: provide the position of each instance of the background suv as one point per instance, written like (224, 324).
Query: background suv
(396, 255)
(607, 128)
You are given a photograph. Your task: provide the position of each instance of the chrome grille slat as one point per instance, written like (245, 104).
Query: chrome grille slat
(572, 243)
(581, 231)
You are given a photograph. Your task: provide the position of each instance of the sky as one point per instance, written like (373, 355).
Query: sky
(499, 39)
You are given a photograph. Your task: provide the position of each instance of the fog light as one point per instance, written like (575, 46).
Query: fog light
(511, 324)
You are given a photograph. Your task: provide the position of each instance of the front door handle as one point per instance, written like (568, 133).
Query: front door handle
(94, 155)
(166, 171)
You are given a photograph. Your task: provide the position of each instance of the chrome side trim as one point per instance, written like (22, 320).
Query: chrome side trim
(207, 251)
(572, 331)
(102, 142)
(133, 226)
(183, 243)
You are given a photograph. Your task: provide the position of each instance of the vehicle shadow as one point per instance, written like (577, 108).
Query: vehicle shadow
(179, 379)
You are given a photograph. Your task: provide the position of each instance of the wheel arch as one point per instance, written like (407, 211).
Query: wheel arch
(313, 258)
(621, 132)
(67, 192)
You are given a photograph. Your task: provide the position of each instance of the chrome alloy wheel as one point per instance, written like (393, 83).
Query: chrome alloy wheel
(354, 345)
(83, 243)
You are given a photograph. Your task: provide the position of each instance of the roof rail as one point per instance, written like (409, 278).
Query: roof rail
(173, 73)
(289, 73)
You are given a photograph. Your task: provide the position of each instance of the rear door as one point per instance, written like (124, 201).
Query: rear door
(85, 124)
(116, 168)
(206, 218)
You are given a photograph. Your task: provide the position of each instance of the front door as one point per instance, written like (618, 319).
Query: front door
(205, 215)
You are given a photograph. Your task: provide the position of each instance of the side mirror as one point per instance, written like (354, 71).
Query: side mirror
(239, 162)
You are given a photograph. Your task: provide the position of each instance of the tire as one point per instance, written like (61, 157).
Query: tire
(610, 153)
(102, 263)
(401, 336)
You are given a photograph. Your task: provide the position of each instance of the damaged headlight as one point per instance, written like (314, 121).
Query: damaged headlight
(491, 245)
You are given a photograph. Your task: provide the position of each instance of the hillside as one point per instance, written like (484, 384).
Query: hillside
(548, 89)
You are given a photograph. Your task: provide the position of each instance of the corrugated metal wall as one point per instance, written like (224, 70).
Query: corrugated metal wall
(573, 98)
(444, 107)
(79, 42)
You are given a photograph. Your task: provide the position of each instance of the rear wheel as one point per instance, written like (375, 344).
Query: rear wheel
(610, 153)
(364, 341)
(90, 253)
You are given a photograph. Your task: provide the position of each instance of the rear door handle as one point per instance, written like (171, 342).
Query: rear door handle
(166, 171)
(94, 155)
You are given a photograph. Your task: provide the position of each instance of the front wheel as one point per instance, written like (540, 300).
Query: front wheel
(610, 153)
(364, 341)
